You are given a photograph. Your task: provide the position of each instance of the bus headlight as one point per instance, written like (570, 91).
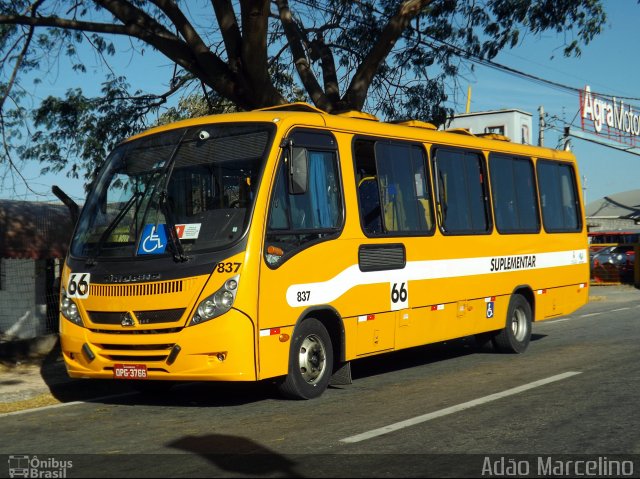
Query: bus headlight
(69, 309)
(218, 303)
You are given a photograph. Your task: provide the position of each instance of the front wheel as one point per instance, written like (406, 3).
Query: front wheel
(310, 361)
(515, 337)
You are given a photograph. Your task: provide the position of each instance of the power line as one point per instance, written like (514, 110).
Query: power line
(461, 52)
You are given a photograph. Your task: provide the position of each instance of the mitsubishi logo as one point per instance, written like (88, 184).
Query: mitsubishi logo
(127, 320)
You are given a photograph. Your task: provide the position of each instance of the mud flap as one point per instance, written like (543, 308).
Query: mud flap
(342, 375)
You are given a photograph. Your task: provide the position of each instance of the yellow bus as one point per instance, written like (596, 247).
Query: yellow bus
(284, 243)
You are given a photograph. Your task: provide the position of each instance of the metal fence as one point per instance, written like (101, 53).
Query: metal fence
(29, 297)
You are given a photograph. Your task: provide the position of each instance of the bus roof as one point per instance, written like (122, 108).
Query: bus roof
(303, 114)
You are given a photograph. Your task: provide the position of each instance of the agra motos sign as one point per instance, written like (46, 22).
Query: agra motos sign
(610, 114)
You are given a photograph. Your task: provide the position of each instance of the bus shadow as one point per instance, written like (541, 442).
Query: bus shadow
(423, 355)
(237, 455)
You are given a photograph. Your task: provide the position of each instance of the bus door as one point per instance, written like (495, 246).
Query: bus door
(395, 211)
(304, 215)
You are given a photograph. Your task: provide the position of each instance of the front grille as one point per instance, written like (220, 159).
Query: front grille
(159, 316)
(137, 331)
(136, 352)
(143, 359)
(139, 289)
(102, 317)
(136, 347)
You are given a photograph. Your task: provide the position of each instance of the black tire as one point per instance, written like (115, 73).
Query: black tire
(310, 361)
(516, 335)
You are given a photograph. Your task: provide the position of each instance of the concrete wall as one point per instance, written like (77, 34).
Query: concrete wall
(611, 224)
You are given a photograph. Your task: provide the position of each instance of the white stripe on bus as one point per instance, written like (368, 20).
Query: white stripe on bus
(324, 292)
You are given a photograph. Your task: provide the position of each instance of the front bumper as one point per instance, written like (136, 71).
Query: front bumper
(222, 349)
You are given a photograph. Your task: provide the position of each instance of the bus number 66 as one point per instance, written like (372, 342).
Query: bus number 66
(78, 286)
(399, 294)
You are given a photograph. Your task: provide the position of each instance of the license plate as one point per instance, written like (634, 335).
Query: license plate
(130, 371)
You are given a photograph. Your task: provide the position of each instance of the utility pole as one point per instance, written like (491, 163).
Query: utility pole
(566, 139)
(541, 126)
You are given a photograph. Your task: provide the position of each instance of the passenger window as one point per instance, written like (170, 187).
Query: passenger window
(461, 192)
(513, 190)
(393, 191)
(297, 219)
(558, 197)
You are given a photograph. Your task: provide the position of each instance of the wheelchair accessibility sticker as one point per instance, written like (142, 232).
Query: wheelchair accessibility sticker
(490, 306)
(154, 240)
(490, 309)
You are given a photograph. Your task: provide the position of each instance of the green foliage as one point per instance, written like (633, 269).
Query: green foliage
(75, 134)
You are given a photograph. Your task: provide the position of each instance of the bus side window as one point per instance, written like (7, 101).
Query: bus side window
(297, 219)
(369, 196)
(461, 192)
(279, 213)
(558, 196)
(514, 194)
(393, 191)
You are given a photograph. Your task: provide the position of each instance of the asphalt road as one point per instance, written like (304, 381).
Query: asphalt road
(445, 410)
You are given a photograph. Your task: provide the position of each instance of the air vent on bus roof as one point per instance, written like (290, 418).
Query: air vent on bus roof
(416, 124)
(359, 115)
(298, 106)
(460, 131)
(494, 136)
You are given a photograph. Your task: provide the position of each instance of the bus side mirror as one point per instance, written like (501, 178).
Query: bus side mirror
(74, 209)
(298, 167)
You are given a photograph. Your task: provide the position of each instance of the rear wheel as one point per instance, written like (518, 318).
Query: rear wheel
(515, 337)
(310, 361)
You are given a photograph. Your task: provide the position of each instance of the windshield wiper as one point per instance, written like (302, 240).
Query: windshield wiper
(178, 250)
(167, 211)
(91, 260)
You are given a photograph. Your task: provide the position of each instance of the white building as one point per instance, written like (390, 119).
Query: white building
(515, 124)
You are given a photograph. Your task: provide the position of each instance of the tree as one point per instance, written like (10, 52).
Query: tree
(390, 57)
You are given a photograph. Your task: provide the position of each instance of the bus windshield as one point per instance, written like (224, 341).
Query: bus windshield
(199, 181)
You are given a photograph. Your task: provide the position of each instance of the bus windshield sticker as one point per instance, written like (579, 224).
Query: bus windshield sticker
(154, 239)
(188, 231)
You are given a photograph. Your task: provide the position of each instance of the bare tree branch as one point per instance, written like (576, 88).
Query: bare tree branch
(204, 64)
(357, 92)
(230, 32)
(64, 23)
(300, 59)
(20, 58)
(255, 23)
(16, 68)
(329, 73)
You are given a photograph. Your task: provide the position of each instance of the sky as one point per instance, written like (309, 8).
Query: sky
(608, 64)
